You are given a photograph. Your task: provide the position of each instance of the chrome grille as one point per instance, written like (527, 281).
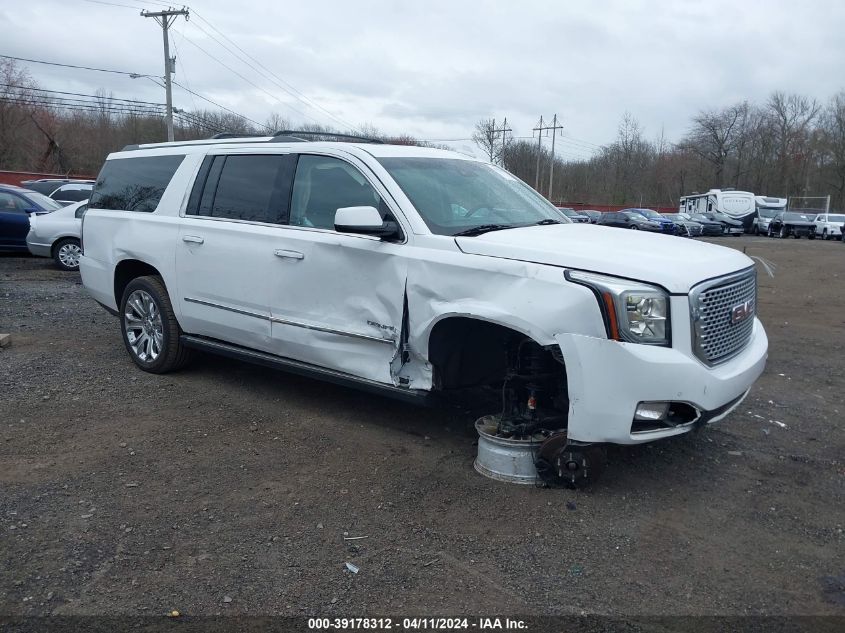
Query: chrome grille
(715, 335)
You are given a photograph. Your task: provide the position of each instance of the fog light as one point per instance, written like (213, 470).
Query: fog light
(651, 410)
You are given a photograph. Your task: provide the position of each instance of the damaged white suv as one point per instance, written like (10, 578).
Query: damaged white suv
(420, 273)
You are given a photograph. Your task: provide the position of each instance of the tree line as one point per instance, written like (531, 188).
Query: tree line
(791, 145)
(47, 131)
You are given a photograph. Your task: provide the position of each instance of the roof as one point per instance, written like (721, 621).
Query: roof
(269, 142)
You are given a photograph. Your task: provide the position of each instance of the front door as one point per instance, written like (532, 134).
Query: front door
(337, 299)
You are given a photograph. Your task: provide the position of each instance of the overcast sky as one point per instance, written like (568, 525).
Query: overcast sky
(434, 68)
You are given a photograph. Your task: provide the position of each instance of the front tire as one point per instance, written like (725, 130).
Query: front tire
(149, 327)
(825, 236)
(635, 227)
(782, 233)
(66, 253)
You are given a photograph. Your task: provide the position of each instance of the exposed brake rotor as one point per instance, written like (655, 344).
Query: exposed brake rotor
(561, 464)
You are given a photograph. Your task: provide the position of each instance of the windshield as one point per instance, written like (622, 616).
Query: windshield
(796, 217)
(453, 195)
(767, 213)
(42, 201)
(570, 213)
(674, 216)
(650, 214)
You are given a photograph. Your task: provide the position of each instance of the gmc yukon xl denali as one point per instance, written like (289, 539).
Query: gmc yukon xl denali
(421, 274)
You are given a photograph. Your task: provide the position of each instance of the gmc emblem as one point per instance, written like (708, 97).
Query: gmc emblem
(742, 311)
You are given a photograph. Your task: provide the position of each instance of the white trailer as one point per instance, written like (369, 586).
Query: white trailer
(739, 205)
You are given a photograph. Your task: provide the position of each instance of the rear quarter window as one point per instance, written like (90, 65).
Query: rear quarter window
(134, 184)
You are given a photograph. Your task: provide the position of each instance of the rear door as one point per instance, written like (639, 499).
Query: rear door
(225, 259)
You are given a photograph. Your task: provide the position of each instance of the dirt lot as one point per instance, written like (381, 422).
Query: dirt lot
(228, 488)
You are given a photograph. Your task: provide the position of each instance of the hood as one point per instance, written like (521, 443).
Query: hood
(675, 263)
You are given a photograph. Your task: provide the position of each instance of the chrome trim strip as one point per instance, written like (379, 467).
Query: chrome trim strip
(366, 337)
(272, 319)
(210, 304)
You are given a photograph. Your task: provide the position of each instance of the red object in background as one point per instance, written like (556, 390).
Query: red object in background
(17, 177)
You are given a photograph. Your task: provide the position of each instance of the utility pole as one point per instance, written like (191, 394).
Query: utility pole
(504, 130)
(539, 129)
(554, 128)
(165, 19)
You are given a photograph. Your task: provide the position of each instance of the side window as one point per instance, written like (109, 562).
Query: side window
(322, 186)
(74, 195)
(251, 187)
(134, 184)
(11, 203)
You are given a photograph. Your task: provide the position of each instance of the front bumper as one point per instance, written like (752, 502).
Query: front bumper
(38, 247)
(608, 379)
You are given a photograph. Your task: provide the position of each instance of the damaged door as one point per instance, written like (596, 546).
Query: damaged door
(337, 299)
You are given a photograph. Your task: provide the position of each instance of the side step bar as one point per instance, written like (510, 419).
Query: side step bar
(414, 396)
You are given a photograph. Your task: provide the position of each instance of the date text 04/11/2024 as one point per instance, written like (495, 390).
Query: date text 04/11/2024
(417, 624)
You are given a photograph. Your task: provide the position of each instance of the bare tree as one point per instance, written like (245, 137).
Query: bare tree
(716, 134)
(486, 137)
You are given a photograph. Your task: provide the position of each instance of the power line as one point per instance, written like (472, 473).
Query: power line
(251, 83)
(134, 76)
(269, 74)
(79, 94)
(102, 70)
(214, 103)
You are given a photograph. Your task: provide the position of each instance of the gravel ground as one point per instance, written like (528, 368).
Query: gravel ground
(228, 488)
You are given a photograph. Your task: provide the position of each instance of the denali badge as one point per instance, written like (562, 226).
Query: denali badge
(742, 311)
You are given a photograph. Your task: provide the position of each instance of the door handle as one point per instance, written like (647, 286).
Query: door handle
(193, 239)
(280, 252)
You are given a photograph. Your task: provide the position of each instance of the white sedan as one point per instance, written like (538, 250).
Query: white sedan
(57, 235)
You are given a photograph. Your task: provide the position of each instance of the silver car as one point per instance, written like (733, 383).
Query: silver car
(57, 235)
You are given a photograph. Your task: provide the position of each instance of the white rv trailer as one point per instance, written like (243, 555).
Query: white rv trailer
(739, 205)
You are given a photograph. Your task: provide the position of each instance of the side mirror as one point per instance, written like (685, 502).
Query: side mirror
(365, 221)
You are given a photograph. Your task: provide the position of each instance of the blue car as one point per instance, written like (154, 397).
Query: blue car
(666, 225)
(16, 205)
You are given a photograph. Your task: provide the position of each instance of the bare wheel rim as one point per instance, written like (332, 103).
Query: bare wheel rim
(69, 254)
(143, 326)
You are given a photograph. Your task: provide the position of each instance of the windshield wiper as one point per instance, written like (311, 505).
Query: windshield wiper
(547, 221)
(482, 228)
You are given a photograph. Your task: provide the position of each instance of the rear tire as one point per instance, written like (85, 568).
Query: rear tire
(149, 327)
(825, 236)
(66, 253)
(635, 227)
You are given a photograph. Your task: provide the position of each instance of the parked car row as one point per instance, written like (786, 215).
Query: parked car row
(826, 226)
(65, 191)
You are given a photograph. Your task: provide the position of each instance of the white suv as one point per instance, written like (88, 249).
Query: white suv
(829, 225)
(421, 274)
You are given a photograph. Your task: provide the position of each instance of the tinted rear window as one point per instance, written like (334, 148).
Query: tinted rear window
(134, 184)
(74, 195)
(255, 188)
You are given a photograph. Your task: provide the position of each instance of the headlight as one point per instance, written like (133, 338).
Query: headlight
(632, 311)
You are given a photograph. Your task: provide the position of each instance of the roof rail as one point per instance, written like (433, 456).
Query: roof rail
(236, 135)
(296, 133)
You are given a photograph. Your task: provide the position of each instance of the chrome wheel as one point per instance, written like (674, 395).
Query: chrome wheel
(69, 253)
(143, 326)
